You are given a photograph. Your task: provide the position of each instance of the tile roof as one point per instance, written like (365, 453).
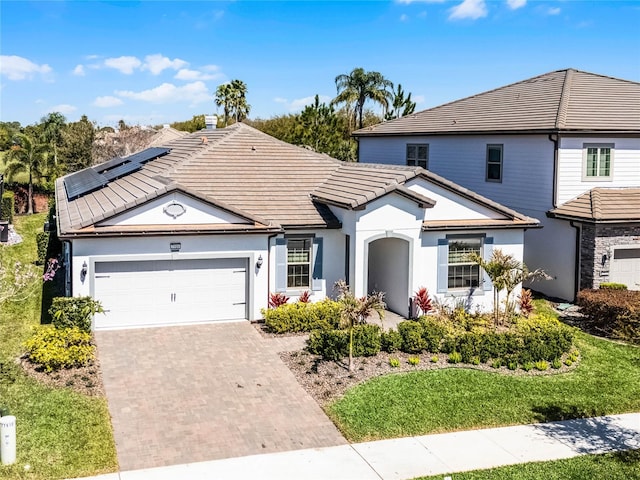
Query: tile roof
(270, 183)
(608, 205)
(564, 100)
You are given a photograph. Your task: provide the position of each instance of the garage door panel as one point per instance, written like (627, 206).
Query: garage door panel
(625, 267)
(146, 293)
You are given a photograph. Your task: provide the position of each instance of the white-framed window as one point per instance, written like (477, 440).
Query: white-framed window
(462, 272)
(418, 155)
(494, 162)
(298, 263)
(597, 161)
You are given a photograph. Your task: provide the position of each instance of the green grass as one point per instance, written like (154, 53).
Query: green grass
(607, 381)
(60, 433)
(610, 466)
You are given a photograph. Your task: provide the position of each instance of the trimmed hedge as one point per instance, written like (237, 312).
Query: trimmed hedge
(54, 348)
(42, 242)
(334, 344)
(613, 286)
(391, 341)
(7, 206)
(74, 312)
(302, 317)
(615, 313)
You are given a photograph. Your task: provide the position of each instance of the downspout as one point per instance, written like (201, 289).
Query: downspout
(576, 270)
(555, 139)
(269, 265)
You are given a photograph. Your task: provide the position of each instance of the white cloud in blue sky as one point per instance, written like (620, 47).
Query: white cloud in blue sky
(125, 64)
(16, 68)
(516, 4)
(469, 9)
(107, 101)
(193, 93)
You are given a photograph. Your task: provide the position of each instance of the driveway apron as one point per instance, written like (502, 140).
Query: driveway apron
(194, 393)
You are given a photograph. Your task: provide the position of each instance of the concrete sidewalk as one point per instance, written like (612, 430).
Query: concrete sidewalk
(406, 458)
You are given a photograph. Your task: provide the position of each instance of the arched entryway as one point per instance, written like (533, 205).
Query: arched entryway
(388, 271)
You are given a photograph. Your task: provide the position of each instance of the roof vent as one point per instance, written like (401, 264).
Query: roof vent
(211, 122)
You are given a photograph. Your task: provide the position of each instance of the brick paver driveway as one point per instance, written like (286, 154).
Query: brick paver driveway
(195, 393)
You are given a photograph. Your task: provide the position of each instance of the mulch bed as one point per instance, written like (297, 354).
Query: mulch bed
(327, 380)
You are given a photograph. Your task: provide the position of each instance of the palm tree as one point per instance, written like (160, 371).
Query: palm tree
(232, 97)
(355, 311)
(359, 86)
(27, 156)
(52, 126)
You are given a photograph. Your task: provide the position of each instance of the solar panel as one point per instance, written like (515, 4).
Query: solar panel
(83, 182)
(91, 179)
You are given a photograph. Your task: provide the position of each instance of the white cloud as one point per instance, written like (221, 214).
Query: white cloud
(63, 108)
(91, 57)
(79, 71)
(554, 11)
(107, 101)
(157, 63)
(190, 75)
(407, 2)
(404, 17)
(19, 68)
(472, 9)
(195, 92)
(123, 64)
(280, 100)
(516, 4)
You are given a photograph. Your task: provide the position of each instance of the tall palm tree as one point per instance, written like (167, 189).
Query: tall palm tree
(359, 86)
(27, 156)
(232, 97)
(52, 126)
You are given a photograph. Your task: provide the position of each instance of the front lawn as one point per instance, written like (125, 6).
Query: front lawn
(60, 433)
(606, 381)
(612, 466)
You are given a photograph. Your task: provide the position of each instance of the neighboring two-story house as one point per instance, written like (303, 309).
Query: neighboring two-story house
(563, 147)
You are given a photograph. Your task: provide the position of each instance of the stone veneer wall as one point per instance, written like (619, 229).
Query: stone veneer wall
(595, 242)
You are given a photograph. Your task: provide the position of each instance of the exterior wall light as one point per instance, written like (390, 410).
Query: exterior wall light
(83, 272)
(259, 262)
(175, 246)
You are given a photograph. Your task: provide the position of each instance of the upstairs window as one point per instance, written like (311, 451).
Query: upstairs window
(598, 162)
(418, 155)
(494, 163)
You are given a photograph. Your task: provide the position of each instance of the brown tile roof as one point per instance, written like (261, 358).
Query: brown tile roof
(270, 183)
(608, 205)
(564, 100)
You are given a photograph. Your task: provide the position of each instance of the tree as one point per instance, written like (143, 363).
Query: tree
(52, 126)
(319, 128)
(401, 106)
(359, 86)
(355, 311)
(27, 156)
(77, 144)
(232, 97)
(193, 125)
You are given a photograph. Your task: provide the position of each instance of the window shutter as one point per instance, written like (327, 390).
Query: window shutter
(281, 264)
(486, 255)
(316, 276)
(443, 265)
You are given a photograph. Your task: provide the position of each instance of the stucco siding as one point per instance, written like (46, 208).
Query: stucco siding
(625, 172)
(527, 180)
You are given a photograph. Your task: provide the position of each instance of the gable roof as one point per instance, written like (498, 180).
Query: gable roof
(273, 184)
(606, 205)
(561, 101)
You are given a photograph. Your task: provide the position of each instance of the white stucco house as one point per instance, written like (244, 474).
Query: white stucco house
(563, 147)
(204, 228)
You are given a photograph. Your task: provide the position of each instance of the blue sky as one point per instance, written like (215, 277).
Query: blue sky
(159, 62)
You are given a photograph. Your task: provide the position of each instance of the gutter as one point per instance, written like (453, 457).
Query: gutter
(269, 238)
(553, 137)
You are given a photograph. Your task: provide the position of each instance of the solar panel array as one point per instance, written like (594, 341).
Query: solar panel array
(91, 179)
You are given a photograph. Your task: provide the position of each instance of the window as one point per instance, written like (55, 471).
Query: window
(598, 160)
(462, 271)
(298, 263)
(418, 155)
(494, 163)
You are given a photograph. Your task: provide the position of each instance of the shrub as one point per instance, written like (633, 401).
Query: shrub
(526, 302)
(305, 297)
(497, 363)
(613, 286)
(302, 317)
(413, 361)
(434, 359)
(412, 336)
(69, 312)
(556, 364)
(541, 365)
(455, 357)
(512, 365)
(544, 338)
(475, 360)
(334, 344)
(391, 341)
(568, 362)
(614, 313)
(54, 348)
(7, 206)
(526, 366)
(42, 241)
(394, 362)
(423, 301)
(434, 332)
(277, 299)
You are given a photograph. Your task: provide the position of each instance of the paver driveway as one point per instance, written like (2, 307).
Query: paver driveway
(195, 393)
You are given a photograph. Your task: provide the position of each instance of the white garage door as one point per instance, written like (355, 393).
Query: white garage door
(153, 293)
(625, 267)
